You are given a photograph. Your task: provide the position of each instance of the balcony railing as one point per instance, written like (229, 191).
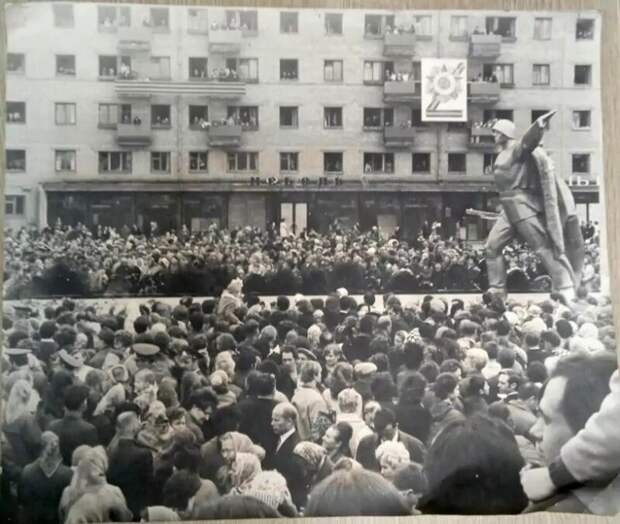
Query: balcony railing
(402, 92)
(485, 46)
(133, 135)
(397, 136)
(224, 136)
(225, 41)
(141, 87)
(481, 138)
(134, 39)
(484, 92)
(399, 44)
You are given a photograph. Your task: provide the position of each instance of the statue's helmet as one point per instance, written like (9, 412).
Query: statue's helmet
(505, 127)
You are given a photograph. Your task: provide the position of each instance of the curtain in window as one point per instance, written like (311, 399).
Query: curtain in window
(65, 113)
(423, 25)
(458, 26)
(248, 69)
(542, 28)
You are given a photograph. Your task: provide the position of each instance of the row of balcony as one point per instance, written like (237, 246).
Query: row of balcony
(137, 135)
(229, 41)
(132, 40)
(410, 92)
(404, 45)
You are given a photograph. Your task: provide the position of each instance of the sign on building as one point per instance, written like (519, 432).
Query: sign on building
(444, 90)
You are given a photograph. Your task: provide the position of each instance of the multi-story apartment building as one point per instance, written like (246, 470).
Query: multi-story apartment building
(114, 114)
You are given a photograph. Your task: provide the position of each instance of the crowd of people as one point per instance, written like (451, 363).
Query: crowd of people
(233, 408)
(75, 261)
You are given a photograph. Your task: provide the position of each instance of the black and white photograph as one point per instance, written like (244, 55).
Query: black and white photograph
(265, 262)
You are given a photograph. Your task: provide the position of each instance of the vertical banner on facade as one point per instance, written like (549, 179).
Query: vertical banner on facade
(444, 90)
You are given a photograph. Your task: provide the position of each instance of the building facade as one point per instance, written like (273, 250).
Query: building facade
(189, 115)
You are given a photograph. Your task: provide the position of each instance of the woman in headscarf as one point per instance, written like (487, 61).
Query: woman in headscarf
(244, 469)
(230, 300)
(89, 497)
(230, 445)
(105, 412)
(314, 466)
(270, 487)
(21, 429)
(156, 431)
(42, 482)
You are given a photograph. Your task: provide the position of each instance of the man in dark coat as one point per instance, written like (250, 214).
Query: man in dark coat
(42, 482)
(131, 464)
(386, 428)
(256, 411)
(283, 422)
(72, 429)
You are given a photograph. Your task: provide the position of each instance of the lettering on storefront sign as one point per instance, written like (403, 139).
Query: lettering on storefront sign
(296, 182)
(576, 180)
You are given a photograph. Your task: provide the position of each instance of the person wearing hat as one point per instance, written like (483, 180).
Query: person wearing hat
(74, 362)
(537, 206)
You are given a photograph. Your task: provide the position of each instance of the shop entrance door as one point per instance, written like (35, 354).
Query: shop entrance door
(293, 218)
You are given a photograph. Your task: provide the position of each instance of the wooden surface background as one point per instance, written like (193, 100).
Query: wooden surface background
(610, 81)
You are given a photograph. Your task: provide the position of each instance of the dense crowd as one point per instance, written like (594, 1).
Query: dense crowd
(234, 408)
(75, 261)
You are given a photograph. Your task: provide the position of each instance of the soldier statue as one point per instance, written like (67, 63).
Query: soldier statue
(537, 206)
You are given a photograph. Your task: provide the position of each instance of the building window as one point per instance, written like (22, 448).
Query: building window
(332, 118)
(16, 112)
(197, 68)
(423, 25)
(502, 73)
(458, 27)
(376, 72)
(289, 22)
(377, 163)
(376, 25)
(160, 116)
(197, 116)
(65, 65)
(581, 163)
(537, 113)
(496, 114)
(540, 75)
(160, 67)
(332, 163)
(16, 160)
(542, 29)
(63, 15)
(289, 117)
(245, 116)
(378, 117)
(108, 115)
(457, 162)
(107, 66)
(14, 205)
(333, 23)
(65, 159)
(583, 75)
(160, 162)
(125, 115)
(114, 162)
(246, 68)
(488, 161)
(198, 161)
(242, 161)
(197, 21)
(582, 119)
(111, 17)
(289, 162)
(246, 20)
(421, 163)
(160, 19)
(504, 26)
(416, 118)
(332, 70)
(16, 63)
(584, 29)
(289, 69)
(65, 114)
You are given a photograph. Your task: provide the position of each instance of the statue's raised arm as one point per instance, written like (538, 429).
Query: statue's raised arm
(532, 137)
